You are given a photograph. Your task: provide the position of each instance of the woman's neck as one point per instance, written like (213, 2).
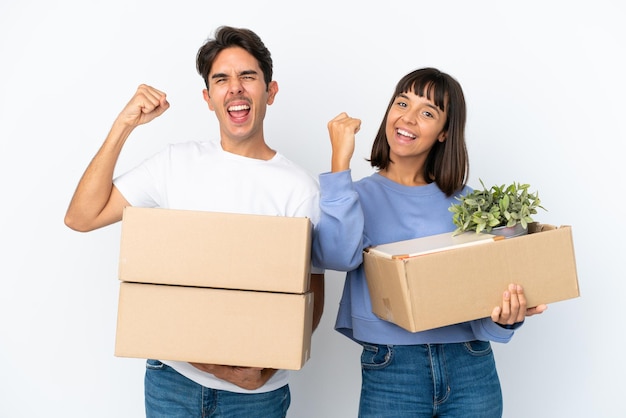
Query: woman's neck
(406, 176)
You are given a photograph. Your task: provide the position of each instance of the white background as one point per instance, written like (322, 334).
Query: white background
(545, 88)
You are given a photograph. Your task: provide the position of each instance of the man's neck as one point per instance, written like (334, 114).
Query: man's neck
(251, 149)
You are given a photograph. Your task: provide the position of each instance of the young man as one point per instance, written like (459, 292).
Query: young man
(239, 173)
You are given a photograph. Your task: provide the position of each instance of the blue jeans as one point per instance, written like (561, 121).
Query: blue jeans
(430, 380)
(168, 394)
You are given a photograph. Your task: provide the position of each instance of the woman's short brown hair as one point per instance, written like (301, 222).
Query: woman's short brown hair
(447, 163)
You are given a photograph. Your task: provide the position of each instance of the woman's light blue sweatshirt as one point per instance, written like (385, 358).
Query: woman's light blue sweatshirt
(373, 211)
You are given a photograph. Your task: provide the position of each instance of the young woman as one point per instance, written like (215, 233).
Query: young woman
(422, 164)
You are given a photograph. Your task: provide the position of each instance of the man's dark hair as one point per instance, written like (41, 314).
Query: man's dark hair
(228, 37)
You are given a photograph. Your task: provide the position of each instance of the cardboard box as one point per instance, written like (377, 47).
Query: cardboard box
(462, 284)
(221, 250)
(218, 326)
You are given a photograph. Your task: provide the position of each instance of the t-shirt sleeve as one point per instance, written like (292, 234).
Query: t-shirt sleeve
(142, 185)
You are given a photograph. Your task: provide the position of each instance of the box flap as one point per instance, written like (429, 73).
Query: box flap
(392, 302)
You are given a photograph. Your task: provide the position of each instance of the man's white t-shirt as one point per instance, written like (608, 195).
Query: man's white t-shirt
(202, 176)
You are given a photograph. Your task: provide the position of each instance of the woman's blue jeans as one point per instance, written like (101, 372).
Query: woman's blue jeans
(168, 394)
(430, 380)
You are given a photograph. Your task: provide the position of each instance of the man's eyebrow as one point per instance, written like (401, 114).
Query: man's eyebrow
(224, 75)
(248, 72)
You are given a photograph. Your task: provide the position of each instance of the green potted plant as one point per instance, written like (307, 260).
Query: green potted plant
(501, 210)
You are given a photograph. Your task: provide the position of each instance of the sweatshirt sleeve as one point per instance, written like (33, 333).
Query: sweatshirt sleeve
(338, 243)
(486, 330)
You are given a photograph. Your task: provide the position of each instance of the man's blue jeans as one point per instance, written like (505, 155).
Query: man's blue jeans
(168, 394)
(430, 380)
